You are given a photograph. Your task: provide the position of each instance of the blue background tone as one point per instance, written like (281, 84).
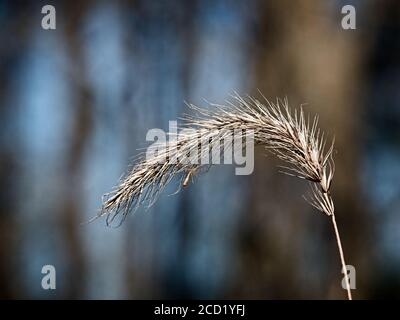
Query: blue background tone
(75, 106)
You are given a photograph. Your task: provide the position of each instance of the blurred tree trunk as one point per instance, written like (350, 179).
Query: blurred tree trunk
(302, 52)
(162, 39)
(13, 25)
(8, 180)
(71, 217)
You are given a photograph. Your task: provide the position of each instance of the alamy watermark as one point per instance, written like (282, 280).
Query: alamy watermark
(49, 18)
(192, 146)
(49, 280)
(349, 18)
(351, 276)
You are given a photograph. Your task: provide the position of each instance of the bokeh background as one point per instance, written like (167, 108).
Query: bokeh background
(76, 103)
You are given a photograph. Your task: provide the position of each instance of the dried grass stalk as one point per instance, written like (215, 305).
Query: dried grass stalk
(296, 140)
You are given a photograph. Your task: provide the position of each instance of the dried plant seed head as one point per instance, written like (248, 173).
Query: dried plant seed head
(288, 134)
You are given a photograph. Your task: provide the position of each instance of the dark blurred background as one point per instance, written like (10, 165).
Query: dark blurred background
(76, 103)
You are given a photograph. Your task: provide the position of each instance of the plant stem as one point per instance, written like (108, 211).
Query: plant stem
(339, 243)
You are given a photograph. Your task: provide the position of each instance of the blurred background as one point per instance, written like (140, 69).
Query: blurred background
(76, 104)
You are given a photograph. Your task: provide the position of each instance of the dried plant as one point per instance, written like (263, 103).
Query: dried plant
(290, 135)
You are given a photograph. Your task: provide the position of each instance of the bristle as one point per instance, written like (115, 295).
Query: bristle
(283, 132)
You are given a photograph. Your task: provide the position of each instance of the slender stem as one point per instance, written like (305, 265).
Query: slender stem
(339, 243)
